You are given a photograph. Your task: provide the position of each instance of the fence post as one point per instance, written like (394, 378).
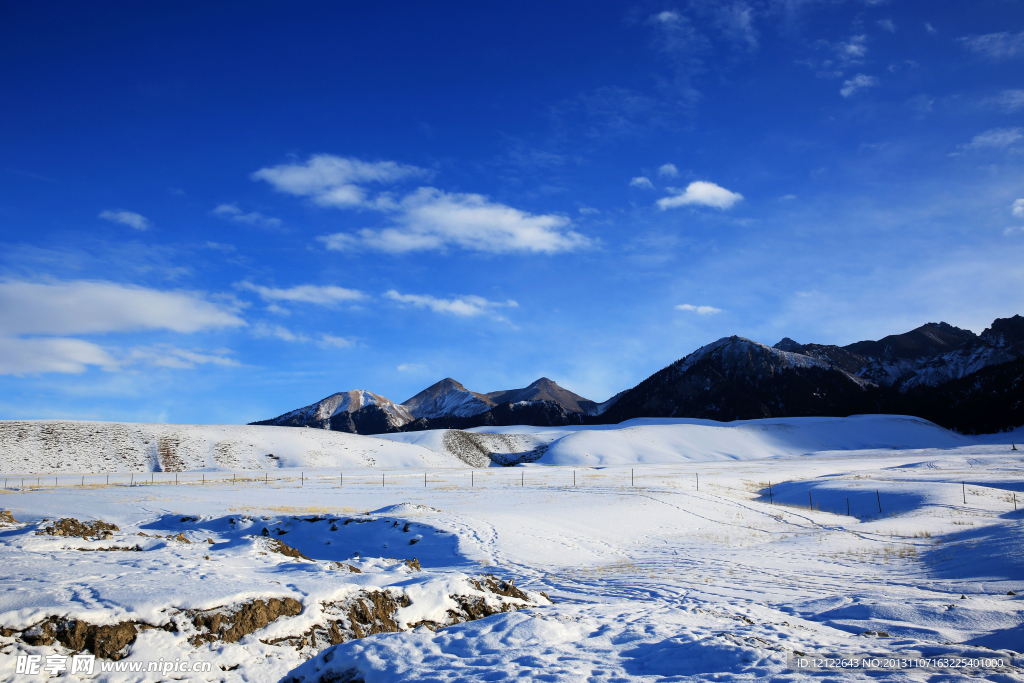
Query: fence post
(879, 497)
(771, 498)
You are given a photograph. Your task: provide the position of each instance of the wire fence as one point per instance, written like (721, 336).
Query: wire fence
(611, 479)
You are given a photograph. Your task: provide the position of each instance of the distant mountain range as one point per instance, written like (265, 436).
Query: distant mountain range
(963, 381)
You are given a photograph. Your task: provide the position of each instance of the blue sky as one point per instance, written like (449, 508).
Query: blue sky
(216, 212)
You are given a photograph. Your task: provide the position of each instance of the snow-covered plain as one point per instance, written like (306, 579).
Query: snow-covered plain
(653, 578)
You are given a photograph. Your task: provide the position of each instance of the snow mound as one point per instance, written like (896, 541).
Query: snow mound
(668, 441)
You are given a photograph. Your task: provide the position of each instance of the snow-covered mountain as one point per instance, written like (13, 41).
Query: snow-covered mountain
(447, 398)
(445, 404)
(930, 355)
(736, 378)
(349, 411)
(545, 390)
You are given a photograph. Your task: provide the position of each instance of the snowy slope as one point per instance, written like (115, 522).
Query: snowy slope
(652, 441)
(667, 440)
(41, 446)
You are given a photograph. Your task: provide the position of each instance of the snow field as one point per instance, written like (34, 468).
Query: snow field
(660, 581)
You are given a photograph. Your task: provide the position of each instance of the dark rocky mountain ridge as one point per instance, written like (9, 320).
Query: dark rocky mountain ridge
(972, 383)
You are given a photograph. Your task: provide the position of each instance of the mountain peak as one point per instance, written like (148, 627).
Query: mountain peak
(788, 344)
(544, 389)
(447, 397)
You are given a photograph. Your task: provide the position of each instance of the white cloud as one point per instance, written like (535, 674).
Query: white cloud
(466, 306)
(88, 307)
(417, 368)
(701, 193)
(699, 310)
(327, 340)
(432, 219)
(283, 333)
(668, 171)
(852, 51)
(642, 181)
(37, 317)
(32, 356)
(167, 356)
(931, 29)
(787, 197)
(35, 356)
(996, 138)
(427, 218)
(887, 25)
(995, 45)
(310, 294)
(1018, 208)
(1008, 100)
(234, 214)
(857, 83)
(335, 181)
(278, 332)
(666, 17)
(129, 218)
(589, 211)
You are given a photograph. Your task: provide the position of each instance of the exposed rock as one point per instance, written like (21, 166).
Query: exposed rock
(106, 642)
(370, 612)
(346, 567)
(276, 546)
(232, 624)
(69, 526)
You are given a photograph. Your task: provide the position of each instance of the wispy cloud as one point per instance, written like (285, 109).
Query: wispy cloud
(996, 138)
(234, 214)
(1008, 101)
(668, 171)
(129, 218)
(736, 22)
(887, 25)
(322, 340)
(857, 83)
(168, 356)
(324, 295)
(700, 193)
(995, 46)
(416, 368)
(643, 182)
(464, 306)
(1018, 208)
(699, 310)
(331, 341)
